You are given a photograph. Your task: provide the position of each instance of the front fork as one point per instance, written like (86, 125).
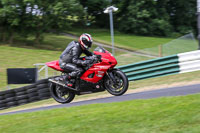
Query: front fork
(111, 76)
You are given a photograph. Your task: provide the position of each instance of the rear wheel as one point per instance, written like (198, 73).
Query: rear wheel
(120, 86)
(61, 94)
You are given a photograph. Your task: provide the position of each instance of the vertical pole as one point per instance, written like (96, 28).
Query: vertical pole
(160, 50)
(38, 74)
(8, 87)
(198, 21)
(112, 30)
(46, 71)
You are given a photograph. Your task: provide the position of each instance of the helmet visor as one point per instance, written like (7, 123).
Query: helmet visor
(87, 43)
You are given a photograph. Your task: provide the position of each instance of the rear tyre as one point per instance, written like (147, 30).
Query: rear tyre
(61, 94)
(120, 86)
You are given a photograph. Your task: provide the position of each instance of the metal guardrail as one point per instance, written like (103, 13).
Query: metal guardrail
(44, 67)
(180, 63)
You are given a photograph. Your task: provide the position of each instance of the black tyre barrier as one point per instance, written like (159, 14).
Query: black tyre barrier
(6, 92)
(3, 106)
(30, 86)
(23, 95)
(20, 89)
(32, 90)
(1, 97)
(47, 94)
(42, 81)
(33, 99)
(33, 94)
(9, 95)
(24, 101)
(43, 90)
(40, 86)
(10, 104)
(10, 99)
(3, 101)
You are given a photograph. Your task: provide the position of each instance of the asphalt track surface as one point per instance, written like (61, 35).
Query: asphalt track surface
(164, 92)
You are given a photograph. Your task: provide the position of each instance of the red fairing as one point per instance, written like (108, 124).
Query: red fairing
(54, 65)
(97, 71)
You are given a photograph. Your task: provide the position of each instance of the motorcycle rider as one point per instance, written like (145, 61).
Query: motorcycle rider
(70, 60)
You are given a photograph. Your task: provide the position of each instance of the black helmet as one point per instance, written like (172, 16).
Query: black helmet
(86, 40)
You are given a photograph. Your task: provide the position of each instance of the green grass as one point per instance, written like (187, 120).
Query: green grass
(13, 57)
(176, 79)
(162, 115)
(127, 41)
(50, 42)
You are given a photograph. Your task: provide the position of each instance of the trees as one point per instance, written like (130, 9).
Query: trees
(94, 9)
(182, 15)
(37, 16)
(156, 17)
(54, 14)
(9, 18)
(142, 17)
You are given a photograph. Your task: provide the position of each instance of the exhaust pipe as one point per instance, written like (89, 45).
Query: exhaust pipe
(61, 84)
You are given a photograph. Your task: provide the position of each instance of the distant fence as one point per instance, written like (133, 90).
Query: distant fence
(180, 63)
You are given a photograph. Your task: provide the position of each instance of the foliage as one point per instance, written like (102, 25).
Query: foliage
(183, 15)
(95, 9)
(36, 17)
(156, 17)
(141, 17)
(145, 17)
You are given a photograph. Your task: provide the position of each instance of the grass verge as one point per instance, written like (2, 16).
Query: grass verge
(127, 41)
(13, 57)
(161, 115)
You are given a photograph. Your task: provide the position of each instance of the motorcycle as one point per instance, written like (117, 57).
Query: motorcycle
(98, 76)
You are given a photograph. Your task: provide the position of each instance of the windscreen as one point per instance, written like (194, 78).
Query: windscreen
(100, 49)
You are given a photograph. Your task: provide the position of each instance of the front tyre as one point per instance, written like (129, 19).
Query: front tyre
(119, 86)
(61, 94)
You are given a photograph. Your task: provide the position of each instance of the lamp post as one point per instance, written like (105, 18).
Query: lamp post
(198, 20)
(110, 10)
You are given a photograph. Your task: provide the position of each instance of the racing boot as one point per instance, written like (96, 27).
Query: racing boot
(71, 82)
(64, 78)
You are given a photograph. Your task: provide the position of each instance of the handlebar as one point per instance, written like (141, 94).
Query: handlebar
(95, 58)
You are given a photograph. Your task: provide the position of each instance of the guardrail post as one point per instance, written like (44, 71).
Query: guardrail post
(46, 71)
(39, 70)
(160, 50)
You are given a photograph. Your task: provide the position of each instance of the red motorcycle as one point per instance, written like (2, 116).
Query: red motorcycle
(98, 76)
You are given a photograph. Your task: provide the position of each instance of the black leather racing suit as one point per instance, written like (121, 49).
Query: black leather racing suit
(70, 60)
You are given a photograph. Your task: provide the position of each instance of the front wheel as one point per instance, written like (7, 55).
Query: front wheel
(119, 86)
(61, 94)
